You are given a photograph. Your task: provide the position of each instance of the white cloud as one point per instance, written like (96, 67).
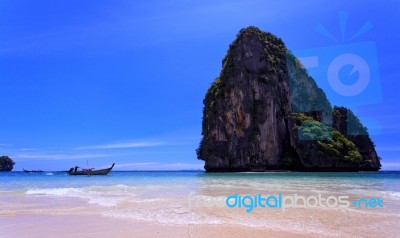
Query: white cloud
(38, 156)
(130, 165)
(391, 166)
(28, 149)
(121, 145)
(5, 145)
(159, 166)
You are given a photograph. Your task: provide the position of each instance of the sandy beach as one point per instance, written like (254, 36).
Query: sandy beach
(93, 226)
(74, 218)
(89, 222)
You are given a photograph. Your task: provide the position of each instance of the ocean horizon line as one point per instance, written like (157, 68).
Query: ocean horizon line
(202, 170)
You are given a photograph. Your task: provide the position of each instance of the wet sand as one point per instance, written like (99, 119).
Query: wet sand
(30, 217)
(39, 216)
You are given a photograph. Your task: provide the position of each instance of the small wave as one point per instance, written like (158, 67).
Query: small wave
(53, 191)
(164, 216)
(148, 200)
(181, 216)
(48, 174)
(111, 188)
(392, 194)
(395, 194)
(106, 199)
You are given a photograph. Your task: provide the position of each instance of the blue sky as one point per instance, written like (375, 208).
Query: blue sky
(123, 81)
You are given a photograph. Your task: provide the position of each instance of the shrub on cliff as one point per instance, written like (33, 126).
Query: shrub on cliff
(6, 163)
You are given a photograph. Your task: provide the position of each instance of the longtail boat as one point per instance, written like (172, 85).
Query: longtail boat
(90, 172)
(33, 171)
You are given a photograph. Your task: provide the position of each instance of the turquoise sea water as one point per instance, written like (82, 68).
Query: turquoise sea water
(384, 181)
(141, 185)
(180, 197)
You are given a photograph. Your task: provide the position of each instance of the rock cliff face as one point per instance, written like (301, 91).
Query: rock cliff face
(261, 113)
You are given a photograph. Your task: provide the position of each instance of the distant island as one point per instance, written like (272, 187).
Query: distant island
(264, 112)
(6, 163)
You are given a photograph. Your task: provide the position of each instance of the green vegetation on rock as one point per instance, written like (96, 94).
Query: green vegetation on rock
(314, 130)
(340, 147)
(310, 129)
(330, 141)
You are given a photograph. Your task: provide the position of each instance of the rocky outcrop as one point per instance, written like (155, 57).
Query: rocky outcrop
(244, 125)
(6, 163)
(322, 148)
(262, 112)
(349, 125)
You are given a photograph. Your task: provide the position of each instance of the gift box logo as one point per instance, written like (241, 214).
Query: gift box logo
(347, 71)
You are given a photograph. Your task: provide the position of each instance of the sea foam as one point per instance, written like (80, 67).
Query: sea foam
(93, 197)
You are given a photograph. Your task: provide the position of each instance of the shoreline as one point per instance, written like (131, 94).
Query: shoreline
(177, 205)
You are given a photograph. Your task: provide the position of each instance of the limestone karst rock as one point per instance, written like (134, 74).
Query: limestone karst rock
(264, 112)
